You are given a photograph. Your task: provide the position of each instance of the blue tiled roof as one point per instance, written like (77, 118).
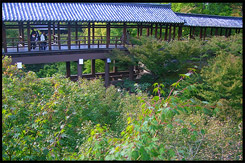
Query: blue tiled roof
(95, 12)
(201, 20)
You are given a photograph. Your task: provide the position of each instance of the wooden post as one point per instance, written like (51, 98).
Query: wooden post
(93, 67)
(193, 33)
(69, 36)
(190, 32)
(114, 67)
(169, 36)
(226, 32)
(68, 69)
(160, 37)
(58, 32)
(151, 29)
(28, 36)
(4, 37)
(89, 30)
(20, 31)
(174, 32)
(156, 31)
(220, 32)
(76, 32)
(23, 34)
(238, 30)
(54, 32)
(93, 33)
(166, 33)
(107, 75)
(107, 35)
(49, 35)
(230, 31)
(211, 32)
(200, 33)
(141, 29)
(138, 31)
(148, 33)
(205, 30)
(131, 72)
(180, 33)
(216, 31)
(124, 33)
(79, 70)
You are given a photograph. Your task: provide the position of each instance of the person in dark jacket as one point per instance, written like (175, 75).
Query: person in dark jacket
(33, 41)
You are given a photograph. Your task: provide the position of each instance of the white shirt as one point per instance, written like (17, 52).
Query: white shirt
(42, 38)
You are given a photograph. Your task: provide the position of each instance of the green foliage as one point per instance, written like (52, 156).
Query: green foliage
(222, 83)
(223, 9)
(99, 66)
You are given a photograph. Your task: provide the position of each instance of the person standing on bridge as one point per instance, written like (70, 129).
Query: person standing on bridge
(43, 40)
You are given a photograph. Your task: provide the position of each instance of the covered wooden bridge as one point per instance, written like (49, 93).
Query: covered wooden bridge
(113, 22)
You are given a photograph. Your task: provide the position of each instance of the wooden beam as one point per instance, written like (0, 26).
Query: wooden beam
(28, 36)
(107, 80)
(4, 38)
(79, 70)
(58, 32)
(169, 36)
(93, 34)
(124, 33)
(69, 36)
(156, 31)
(220, 32)
(89, 31)
(201, 33)
(49, 36)
(108, 35)
(166, 33)
(211, 32)
(93, 67)
(68, 69)
(180, 33)
(238, 30)
(174, 32)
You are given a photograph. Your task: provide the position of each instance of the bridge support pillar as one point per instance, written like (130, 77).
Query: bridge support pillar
(131, 72)
(68, 69)
(93, 67)
(107, 69)
(79, 70)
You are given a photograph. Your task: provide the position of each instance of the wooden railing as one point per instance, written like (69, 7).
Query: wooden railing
(16, 44)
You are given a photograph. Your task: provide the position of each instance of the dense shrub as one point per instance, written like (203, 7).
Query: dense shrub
(222, 84)
(50, 117)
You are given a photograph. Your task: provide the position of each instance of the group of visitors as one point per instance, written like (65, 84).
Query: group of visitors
(36, 37)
